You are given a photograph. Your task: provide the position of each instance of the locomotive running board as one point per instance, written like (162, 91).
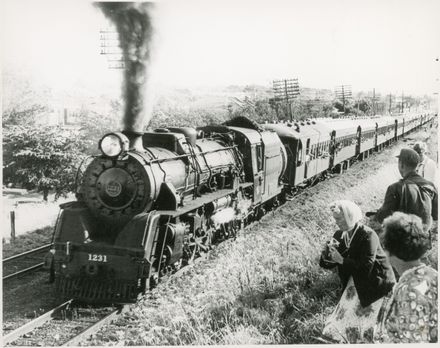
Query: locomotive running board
(205, 199)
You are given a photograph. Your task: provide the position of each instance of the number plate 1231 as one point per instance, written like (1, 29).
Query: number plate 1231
(97, 258)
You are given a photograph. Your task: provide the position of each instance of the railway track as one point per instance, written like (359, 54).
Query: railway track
(65, 325)
(25, 262)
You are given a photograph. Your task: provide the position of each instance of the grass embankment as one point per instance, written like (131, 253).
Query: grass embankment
(266, 286)
(28, 241)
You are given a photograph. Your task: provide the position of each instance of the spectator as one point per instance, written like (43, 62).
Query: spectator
(409, 315)
(412, 194)
(427, 168)
(365, 273)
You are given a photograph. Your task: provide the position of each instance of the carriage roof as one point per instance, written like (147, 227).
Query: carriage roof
(315, 131)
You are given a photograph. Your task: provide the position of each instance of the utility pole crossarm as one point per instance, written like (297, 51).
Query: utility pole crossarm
(286, 90)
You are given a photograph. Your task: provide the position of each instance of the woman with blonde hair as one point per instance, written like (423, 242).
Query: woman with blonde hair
(365, 273)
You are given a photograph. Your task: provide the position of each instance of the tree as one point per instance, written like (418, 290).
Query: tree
(301, 109)
(94, 125)
(42, 158)
(169, 115)
(363, 105)
(260, 111)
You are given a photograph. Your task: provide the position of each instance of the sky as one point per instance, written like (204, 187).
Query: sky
(389, 45)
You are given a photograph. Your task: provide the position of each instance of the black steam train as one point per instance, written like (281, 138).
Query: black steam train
(152, 202)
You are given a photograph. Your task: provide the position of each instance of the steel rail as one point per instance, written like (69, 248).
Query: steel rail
(33, 251)
(16, 274)
(91, 330)
(37, 322)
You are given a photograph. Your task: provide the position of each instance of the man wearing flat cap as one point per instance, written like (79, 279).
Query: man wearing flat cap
(427, 168)
(412, 194)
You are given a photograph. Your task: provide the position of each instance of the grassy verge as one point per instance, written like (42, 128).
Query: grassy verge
(28, 241)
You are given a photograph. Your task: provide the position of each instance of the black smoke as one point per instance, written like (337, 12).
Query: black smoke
(133, 22)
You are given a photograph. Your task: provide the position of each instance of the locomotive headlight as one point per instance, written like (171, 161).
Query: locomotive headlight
(113, 144)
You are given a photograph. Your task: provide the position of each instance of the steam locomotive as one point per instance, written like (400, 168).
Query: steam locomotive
(153, 201)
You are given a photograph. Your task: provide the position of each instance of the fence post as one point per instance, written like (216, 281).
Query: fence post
(12, 214)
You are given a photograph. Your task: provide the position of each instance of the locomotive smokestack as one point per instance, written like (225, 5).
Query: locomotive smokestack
(135, 139)
(134, 25)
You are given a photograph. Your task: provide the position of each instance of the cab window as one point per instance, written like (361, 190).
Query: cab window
(259, 150)
(299, 154)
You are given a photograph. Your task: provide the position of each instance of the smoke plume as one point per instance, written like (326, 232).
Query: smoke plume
(133, 23)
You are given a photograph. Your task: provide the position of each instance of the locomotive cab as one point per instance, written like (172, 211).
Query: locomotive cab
(264, 157)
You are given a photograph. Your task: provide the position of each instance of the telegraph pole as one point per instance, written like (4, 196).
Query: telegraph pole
(286, 90)
(374, 101)
(109, 47)
(343, 97)
(402, 102)
(343, 92)
(289, 105)
(389, 108)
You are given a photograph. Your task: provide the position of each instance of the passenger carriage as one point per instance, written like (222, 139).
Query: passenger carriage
(307, 145)
(400, 126)
(343, 143)
(414, 122)
(368, 137)
(385, 130)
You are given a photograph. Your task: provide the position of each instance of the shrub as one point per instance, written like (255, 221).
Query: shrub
(42, 158)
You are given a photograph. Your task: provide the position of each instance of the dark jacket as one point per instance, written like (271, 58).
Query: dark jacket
(366, 262)
(411, 195)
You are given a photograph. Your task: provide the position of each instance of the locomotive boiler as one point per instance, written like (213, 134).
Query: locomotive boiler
(171, 168)
(151, 202)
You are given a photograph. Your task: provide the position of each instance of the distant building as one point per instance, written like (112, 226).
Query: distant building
(59, 117)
